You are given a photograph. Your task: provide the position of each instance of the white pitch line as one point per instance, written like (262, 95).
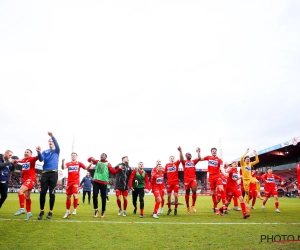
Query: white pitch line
(161, 223)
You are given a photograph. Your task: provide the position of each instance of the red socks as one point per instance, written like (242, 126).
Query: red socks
(187, 200)
(21, 200)
(235, 202)
(68, 204)
(119, 203)
(28, 205)
(156, 207)
(125, 204)
(214, 199)
(223, 197)
(276, 204)
(75, 203)
(243, 206)
(253, 201)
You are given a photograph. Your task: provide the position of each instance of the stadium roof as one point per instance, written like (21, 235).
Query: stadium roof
(283, 153)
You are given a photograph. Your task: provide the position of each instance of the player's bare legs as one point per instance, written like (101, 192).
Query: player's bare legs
(28, 204)
(156, 206)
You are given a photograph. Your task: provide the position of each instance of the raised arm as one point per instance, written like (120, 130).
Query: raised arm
(256, 159)
(63, 164)
(89, 166)
(180, 155)
(243, 156)
(39, 152)
(57, 149)
(198, 152)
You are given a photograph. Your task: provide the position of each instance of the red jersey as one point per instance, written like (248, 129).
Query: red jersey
(172, 171)
(224, 179)
(269, 180)
(74, 171)
(189, 168)
(214, 164)
(28, 168)
(153, 171)
(298, 169)
(157, 180)
(232, 179)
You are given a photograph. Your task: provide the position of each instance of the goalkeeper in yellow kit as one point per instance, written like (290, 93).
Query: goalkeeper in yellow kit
(246, 167)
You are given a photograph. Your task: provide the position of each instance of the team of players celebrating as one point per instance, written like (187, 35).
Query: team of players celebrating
(223, 182)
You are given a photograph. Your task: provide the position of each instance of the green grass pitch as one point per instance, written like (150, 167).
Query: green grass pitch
(200, 230)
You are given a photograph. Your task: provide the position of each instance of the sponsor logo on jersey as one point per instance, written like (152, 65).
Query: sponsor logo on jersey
(73, 168)
(172, 169)
(235, 177)
(189, 164)
(212, 163)
(159, 180)
(270, 179)
(247, 168)
(25, 166)
(224, 181)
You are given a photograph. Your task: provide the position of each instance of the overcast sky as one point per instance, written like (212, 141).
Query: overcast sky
(140, 78)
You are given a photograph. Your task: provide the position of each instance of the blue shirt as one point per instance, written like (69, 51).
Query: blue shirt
(50, 157)
(87, 182)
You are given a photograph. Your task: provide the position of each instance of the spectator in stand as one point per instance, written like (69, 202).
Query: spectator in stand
(87, 187)
(6, 166)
